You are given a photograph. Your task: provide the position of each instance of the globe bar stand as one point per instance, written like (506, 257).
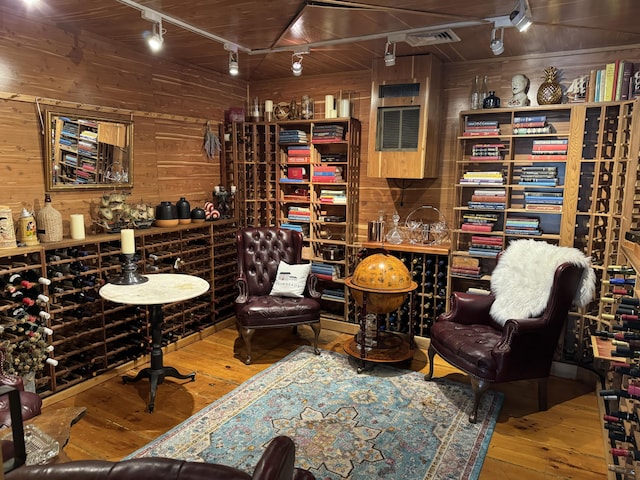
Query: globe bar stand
(380, 347)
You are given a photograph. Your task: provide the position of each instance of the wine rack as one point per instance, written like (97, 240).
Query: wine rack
(90, 335)
(429, 266)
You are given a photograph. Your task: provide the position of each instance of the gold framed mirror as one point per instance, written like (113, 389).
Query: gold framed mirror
(87, 150)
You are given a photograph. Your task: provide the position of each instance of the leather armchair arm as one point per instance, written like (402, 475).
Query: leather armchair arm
(277, 460)
(243, 290)
(469, 308)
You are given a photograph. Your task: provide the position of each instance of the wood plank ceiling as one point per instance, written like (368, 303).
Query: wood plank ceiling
(261, 28)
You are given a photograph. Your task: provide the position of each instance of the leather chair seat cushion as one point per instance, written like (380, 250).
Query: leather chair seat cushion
(274, 311)
(31, 407)
(467, 347)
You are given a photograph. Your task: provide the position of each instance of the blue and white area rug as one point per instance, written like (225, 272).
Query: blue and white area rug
(382, 423)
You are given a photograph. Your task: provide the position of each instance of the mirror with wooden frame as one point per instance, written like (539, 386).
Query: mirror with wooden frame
(86, 150)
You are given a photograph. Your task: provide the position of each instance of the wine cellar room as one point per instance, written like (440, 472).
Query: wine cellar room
(119, 163)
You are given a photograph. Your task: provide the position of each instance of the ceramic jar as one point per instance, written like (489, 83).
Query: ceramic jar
(184, 210)
(166, 211)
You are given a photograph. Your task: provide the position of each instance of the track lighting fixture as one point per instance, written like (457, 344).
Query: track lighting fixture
(497, 44)
(390, 53)
(296, 64)
(155, 39)
(521, 16)
(233, 63)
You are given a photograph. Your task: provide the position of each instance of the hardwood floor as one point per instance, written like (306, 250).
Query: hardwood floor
(564, 442)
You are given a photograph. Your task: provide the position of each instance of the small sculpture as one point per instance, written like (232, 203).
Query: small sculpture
(519, 88)
(577, 91)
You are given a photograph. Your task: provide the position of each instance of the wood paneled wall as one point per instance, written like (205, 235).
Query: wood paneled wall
(404, 196)
(171, 103)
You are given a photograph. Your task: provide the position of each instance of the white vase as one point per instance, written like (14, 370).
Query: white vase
(29, 381)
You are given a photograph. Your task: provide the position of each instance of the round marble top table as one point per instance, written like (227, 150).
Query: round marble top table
(160, 288)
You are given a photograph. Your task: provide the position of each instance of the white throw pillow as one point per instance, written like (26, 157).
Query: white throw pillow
(290, 280)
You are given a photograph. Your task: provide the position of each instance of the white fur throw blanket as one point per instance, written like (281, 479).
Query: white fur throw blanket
(522, 279)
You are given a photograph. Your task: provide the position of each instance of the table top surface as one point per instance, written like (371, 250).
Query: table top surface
(161, 288)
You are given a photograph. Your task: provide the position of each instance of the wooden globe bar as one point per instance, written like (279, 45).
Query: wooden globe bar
(380, 284)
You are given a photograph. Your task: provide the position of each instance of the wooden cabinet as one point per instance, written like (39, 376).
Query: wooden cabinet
(317, 194)
(405, 113)
(91, 336)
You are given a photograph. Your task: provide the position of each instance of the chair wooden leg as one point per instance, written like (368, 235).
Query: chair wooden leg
(247, 334)
(316, 330)
(479, 387)
(431, 354)
(543, 394)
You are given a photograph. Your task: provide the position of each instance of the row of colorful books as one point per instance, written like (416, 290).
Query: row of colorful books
(292, 136)
(487, 151)
(482, 177)
(481, 128)
(527, 125)
(540, 176)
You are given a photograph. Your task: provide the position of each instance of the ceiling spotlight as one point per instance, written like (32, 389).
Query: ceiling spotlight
(156, 38)
(233, 63)
(521, 16)
(497, 44)
(296, 64)
(390, 54)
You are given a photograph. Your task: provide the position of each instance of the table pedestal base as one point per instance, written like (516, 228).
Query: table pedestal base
(157, 372)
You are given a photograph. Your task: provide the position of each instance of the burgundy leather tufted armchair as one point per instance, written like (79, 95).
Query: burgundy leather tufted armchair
(468, 338)
(276, 463)
(260, 250)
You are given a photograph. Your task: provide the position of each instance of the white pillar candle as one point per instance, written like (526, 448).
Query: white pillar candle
(268, 106)
(77, 226)
(345, 108)
(127, 241)
(233, 189)
(329, 107)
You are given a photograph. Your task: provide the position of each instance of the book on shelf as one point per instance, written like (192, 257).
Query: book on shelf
(539, 183)
(465, 262)
(533, 130)
(486, 239)
(479, 252)
(547, 156)
(478, 291)
(476, 227)
(530, 124)
(486, 205)
(550, 141)
(481, 123)
(514, 231)
(481, 133)
(529, 118)
(489, 198)
(543, 207)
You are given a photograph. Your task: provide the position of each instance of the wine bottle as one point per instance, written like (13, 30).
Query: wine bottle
(622, 437)
(621, 469)
(621, 269)
(621, 452)
(34, 277)
(620, 281)
(619, 416)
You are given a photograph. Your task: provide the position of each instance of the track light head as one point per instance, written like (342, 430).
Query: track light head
(390, 53)
(521, 16)
(296, 64)
(497, 44)
(156, 39)
(233, 63)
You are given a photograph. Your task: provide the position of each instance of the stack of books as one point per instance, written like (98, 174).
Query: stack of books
(487, 151)
(543, 176)
(483, 178)
(299, 154)
(327, 174)
(299, 214)
(523, 226)
(333, 294)
(325, 271)
(465, 267)
(478, 222)
(304, 229)
(485, 246)
(335, 197)
(543, 201)
(292, 136)
(535, 124)
(327, 133)
(550, 149)
(481, 128)
(488, 199)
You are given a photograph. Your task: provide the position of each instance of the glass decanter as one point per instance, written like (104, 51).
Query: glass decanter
(394, 236)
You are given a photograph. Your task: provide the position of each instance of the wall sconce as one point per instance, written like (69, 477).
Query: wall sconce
(497, 44)
(390, 53)
(521, 16)
(296, 64)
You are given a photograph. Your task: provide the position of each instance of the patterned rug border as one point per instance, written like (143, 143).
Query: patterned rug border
(286, 367)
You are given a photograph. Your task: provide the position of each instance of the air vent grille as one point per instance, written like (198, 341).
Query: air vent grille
(432, 38)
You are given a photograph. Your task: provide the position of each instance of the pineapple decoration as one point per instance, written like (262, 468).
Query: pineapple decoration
(550, 91)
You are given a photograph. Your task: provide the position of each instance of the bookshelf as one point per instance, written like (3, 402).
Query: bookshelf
(317, 194)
